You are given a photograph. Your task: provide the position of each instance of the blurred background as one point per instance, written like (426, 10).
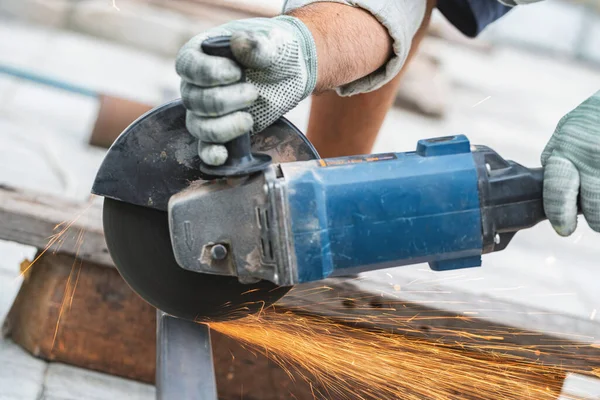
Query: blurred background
(73, 73)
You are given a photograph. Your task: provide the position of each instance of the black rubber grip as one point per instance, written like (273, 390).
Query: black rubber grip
(240, 160)
(511, 198)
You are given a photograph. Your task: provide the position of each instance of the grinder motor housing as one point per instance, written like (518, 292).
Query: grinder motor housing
(446, 203)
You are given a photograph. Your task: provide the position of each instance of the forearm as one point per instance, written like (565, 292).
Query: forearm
(361, 44)
(343, 126)
(350, 42)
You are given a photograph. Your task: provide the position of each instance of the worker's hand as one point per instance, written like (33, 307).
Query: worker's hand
(278, 58)
(572, 167)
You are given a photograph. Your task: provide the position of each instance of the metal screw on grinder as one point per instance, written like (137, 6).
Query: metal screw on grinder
(218, 252)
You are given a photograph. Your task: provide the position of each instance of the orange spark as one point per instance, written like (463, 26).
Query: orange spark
(57, 237)
(344, 362)
(69, 292)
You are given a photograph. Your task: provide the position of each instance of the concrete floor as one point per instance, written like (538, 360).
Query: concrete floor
(509, 100)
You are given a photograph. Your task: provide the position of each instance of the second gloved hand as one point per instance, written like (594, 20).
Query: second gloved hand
(278, 58)
(572, 168)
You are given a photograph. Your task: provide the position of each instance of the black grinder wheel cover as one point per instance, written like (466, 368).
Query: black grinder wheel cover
(152, 160)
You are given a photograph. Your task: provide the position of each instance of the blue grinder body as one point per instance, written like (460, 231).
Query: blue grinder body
(443, 204)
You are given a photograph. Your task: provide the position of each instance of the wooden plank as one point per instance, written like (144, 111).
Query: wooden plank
(35, 219)
(84, 315)
(98, 323)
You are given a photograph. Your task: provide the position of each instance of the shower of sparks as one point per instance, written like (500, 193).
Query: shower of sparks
(69, 292)
(343, 362)
(391, 349)
(79, 263)
(56, 240)
(481, 102)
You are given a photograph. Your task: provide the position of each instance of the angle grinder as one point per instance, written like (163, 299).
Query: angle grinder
(216, 243)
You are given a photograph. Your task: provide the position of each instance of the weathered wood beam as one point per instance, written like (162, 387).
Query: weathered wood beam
(41, 220)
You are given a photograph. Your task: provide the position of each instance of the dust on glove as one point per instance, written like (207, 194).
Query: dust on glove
(278, 58)
(572, 168)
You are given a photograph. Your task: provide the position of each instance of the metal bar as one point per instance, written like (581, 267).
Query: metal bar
(184, 363)
(45, 80)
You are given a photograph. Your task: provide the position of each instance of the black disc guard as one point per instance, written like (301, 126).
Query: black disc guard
(153, 159)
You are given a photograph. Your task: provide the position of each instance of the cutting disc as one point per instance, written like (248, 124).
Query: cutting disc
(140, 245)
(149, 163)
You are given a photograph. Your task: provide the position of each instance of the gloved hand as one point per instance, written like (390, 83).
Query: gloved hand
(572, 167)
(279, 59)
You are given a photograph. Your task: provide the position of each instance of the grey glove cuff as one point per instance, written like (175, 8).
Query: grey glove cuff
(309, 49)
(402, 19)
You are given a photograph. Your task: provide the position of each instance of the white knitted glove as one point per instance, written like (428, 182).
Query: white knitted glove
(572, 167)
(279, 60)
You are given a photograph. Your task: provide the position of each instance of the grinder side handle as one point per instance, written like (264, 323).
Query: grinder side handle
(240, 160)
